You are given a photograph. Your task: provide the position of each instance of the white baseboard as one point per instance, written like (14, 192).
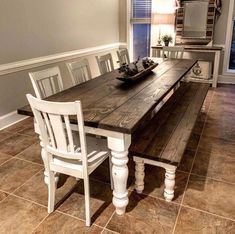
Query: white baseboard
(226, 79)
(45, 60)
(10, 119)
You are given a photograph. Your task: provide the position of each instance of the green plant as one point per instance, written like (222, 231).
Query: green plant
(167, 38)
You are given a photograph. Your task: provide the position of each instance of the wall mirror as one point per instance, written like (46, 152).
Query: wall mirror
(195, 19)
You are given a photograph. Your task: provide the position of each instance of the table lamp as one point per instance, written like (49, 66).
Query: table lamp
(163, 19)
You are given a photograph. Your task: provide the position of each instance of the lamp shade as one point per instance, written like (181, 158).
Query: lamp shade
(159, 18)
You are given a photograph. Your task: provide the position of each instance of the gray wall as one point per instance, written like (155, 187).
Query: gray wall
(221, 25)
(122, 21)
(34, 28)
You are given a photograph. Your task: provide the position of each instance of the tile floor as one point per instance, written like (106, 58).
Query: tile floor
(204, 194)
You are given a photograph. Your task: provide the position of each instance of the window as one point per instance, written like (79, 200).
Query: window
(140, 27)
(232, 50)
(229, 56)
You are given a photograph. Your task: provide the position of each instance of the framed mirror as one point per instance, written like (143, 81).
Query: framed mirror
(195, 22)
(195, 19)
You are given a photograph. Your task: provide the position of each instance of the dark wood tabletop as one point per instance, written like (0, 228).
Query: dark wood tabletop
(113, 105)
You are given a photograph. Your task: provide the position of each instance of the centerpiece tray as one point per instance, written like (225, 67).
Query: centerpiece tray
(140, 74)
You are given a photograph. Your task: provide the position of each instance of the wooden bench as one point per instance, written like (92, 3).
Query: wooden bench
(163, 140)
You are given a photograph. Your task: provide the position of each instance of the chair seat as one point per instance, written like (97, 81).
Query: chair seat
(95, 157)
(97, 153)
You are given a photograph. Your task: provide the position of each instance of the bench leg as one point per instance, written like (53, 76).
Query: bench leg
(169, 184)
(139, 176)
(203, 109)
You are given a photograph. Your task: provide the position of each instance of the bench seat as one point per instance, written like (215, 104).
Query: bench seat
(162, 141)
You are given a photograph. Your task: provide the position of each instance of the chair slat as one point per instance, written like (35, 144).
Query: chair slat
(105, 63)
(69, 133)
(44, 82)
(58, 129)
(79, 71)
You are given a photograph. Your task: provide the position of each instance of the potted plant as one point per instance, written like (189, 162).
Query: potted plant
(167, 39)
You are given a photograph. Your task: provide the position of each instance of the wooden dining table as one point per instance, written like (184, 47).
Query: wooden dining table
(115, 110)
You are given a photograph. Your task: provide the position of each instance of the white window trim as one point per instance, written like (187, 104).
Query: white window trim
(129, 28)
(226, 70)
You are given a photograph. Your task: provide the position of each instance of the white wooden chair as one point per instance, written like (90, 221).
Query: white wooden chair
(46, 82)
(105, 63)
(123, 56)
(173, 52)
(62, 155)
(79, 71)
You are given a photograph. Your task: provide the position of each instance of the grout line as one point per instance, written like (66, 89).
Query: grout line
(8, 194)
(108, 221)
(40, 223)
(207, 212)
(75, 217)
(185, 172)
(71, 216)
(211, 178)
(23, 198)
(28, 180)
(12, 193)
(25, 160)
(109, 231)
(159, 198)
(191, 168)
(7, 160)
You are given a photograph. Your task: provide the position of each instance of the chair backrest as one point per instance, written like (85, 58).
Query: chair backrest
(105, 63)
(46, 82)
(123, 56)
(55, 129)
(79, 71)
(173, 52)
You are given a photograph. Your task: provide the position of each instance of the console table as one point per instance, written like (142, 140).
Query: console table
(216, 50)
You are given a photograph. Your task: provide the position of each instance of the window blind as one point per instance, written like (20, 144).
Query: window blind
(141, 9)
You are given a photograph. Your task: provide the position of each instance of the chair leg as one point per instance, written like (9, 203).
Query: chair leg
(169, 184)
(87, 201)
(51, 191)
(110, 171)
(139, 175)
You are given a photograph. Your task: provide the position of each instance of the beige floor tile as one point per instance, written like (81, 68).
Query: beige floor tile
(32, 153)
(58, 223)
(210, 195)
(4, 158)
(196, 222)
(19, 216)
(101, 203)
(145, 215)
(16, 172)
(214, 145)
(3, 195)
(30, 190)
(216, 166)
(16, 143)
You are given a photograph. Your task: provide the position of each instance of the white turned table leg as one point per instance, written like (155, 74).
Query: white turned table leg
(169, 184)
(119, 151)
(139, 175)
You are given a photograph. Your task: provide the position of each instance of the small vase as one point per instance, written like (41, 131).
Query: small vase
(166, 43)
